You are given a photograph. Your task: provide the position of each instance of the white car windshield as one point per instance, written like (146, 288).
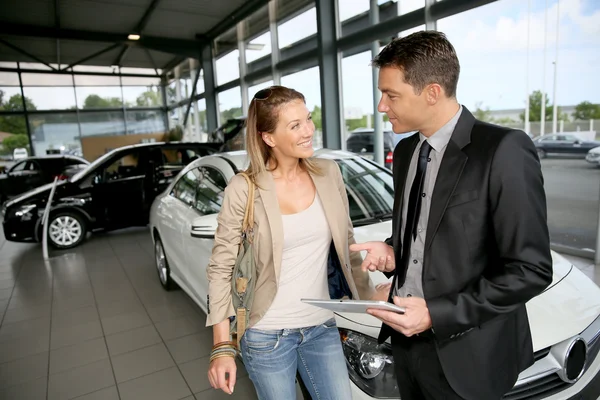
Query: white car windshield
(370, 190)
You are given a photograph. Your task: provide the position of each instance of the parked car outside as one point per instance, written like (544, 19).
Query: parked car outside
(361, 141)
(114, 192)
(32, 172)
(593, 156)
(563, 145)
(20, 153)
(564, 319)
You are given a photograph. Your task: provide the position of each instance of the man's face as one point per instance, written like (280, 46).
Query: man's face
(406, 110)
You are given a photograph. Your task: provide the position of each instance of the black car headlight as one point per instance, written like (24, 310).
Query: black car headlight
(370, 365)
(25, 212)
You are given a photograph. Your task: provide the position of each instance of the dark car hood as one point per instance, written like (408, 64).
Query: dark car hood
(38, 192)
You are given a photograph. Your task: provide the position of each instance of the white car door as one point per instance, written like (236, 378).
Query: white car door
(175, 213)
(214, 175)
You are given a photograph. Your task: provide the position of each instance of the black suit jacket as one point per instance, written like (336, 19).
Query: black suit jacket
(487, 252)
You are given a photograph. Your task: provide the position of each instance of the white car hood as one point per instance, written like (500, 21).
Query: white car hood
(568, 306)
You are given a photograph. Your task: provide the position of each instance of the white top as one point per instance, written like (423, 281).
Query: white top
(306, 241)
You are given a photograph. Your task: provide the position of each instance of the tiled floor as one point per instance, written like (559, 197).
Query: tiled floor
(95, 324)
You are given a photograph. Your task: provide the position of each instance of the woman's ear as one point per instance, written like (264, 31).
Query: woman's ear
(268, 139)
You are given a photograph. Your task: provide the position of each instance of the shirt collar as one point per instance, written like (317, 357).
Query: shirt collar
(439, 140)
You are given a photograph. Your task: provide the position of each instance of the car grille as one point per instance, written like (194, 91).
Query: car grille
(551, 384)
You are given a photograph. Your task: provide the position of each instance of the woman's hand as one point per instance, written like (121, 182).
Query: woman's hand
(222, 374)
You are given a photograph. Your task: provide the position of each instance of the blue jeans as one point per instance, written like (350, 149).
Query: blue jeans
(273, 357)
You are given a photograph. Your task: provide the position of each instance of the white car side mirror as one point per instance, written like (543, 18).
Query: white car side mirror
(204, 227)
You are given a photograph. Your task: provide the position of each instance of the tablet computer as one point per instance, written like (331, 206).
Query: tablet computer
(354, 306)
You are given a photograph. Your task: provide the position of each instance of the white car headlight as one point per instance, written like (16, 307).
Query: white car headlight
(370, 365)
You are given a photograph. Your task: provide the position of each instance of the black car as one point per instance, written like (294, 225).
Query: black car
(230, 135)
(115, 191)
(563, 144)
(32, 172)
(361, 141)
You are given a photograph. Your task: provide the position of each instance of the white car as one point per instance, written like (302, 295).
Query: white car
(593, 156)
(20, 153)
(564, 319)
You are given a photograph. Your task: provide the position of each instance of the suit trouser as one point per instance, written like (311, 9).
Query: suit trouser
(418, 369)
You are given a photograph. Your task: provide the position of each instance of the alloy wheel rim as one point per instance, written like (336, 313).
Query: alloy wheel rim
(65, 230)
(161, 264)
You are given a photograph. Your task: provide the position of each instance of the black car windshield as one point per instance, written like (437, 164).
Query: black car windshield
(92, 166)
(370, 190)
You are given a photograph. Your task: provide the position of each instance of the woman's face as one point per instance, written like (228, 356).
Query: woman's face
(293, 135)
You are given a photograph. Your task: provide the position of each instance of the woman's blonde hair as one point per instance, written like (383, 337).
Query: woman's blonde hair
(263, 116)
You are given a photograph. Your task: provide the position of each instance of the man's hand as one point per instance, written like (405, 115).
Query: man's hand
(380, 256)
(416, 318)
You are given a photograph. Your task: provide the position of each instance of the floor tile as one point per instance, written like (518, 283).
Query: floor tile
(29, 344)
(17, 330)
(162, 385)
(79, 381)
(75, 317)
(243, 390)
(77, 355)
(196, 374)
(7, 283)
(141, 362)
(69, 335)
(134, 339)
(109, 393)
(27, 313)
(125, 322)
(179, 327)
(60, 306)
(23, 370)
(32, 390)
(190, 347)
(108, 310)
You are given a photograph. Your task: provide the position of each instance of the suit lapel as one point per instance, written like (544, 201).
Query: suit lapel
(268, 194)
(449, 173)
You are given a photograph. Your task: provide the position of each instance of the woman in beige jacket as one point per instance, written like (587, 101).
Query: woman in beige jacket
(302, 232)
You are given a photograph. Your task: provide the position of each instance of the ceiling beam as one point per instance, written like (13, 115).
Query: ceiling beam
(146, 17)
(138, 29)
(91, 56)
(232, 19)
(122, 55)
(57, 24)
(152, 61)
(25, 53)
(183, 47)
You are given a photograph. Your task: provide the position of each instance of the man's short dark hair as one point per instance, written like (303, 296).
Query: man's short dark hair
(424, 57)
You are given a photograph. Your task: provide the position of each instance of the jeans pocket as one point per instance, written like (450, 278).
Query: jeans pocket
(260, 342)
(329, 324)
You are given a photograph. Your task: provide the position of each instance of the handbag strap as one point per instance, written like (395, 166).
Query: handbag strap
(248, 223)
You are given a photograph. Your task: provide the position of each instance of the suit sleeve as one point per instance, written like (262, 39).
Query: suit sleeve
(363, 282)
(225, 251)
(523, 269)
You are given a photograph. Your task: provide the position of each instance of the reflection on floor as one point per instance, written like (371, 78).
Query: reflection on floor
(95, 323)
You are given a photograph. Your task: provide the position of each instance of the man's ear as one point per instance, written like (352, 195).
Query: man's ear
(268, 139)
(433, 93)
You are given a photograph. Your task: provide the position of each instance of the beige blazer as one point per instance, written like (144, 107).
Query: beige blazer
(268, 241)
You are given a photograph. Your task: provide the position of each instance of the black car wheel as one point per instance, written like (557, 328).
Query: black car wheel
(66, 229)
(162, 265)
(541, 154)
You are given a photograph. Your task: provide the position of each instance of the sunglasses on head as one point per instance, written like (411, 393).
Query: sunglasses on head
(263, 94)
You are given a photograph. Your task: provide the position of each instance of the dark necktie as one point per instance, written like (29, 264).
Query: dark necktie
(414, 208)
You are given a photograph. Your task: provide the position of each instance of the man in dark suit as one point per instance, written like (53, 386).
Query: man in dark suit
(470, 243)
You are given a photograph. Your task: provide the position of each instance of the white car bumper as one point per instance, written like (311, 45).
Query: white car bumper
(593, 158)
